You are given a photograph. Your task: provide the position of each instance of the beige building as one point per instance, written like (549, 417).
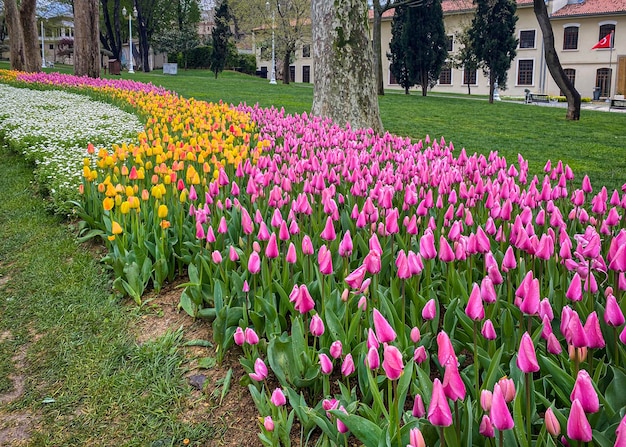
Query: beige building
(577, 25)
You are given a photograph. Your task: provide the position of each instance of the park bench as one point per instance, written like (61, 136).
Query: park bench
(536, 97)
(617, 103)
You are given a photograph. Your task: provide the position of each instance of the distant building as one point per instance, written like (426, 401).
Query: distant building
(578, 25)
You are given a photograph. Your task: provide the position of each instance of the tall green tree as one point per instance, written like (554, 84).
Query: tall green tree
(419, 45)
(465, 58)
(221, 34)
(493, 39)
(110, 27)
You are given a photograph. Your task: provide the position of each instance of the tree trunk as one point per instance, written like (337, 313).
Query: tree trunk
(344, 88)
(14, 30)
(111, 38)
(492, 82)
(86, 38)
(30, 34)
(144, 46)
(554, 64)
(376, 42)
(286, 72)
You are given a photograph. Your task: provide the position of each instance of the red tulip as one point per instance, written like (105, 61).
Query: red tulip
(578, 428)
(439, 413)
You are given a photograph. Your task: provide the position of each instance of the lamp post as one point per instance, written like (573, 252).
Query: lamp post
(43, 54)
(130, 36)
(273, 75)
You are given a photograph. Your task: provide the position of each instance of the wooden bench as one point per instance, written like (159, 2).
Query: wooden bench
(617, 104)
(536, 97)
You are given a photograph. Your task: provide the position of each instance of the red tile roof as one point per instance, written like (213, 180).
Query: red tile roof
(592, 7)
(451, 6)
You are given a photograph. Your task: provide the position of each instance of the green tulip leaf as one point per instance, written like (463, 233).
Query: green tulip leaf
(366, 431)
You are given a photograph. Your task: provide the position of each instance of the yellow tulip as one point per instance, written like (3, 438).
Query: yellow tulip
(116, 228)
(162, 211)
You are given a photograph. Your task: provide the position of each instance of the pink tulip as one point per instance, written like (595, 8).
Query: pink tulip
(620, 434)
(578, 428)
(613, 315)
(304, 302)
(499, 414)
(418, 407)
(317, 326)
(487, 289)
(445, 350)
(475, 309)
(341, 427)
(510, 261)
(291, 256)
(216, 257)
(260, 371)
(254, 263)
(507, 386)
(415, 438)
(347, 367)
(622, 335)
(453, 385)
(263, 233)
(325, 260)
(268, 423)
(552, 423)
(585, 393)
(488, 331)
(307, 245)
(531, 300)
(345, 246)
(336, 349)
(415, 335)
(278, 398)
(372, 262)
(326, 365)
(328, 234)
(439, 413)
(575, 333)
(430, 310)
(232, 254)
(271, 251)
(355, 279)
(392, 362)
(446, 254)
(239, 337)
(419, 355)
(427, 245)
(251, 336)
(372, 340)
(526, 356)
(486, 427)
(593, 332)
(372, 361)
(486, 397)
(384, 331)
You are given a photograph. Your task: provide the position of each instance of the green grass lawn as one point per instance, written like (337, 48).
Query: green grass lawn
(595, 145)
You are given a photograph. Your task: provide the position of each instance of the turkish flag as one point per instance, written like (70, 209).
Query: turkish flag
(605, 42)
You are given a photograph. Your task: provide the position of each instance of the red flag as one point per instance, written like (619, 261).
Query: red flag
(605, 42)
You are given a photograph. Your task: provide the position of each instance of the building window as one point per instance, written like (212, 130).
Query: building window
(525, 72)
(51, 46)
(607, 28)
(306, 50)
(292, 73)
(603, 81)
(570, 73)
(570, 38)
(445, 77)
(306, 74)
(450, 42)
(527, 39)
(469, 77)
(392, 79)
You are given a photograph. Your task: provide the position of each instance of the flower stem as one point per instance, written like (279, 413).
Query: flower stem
(476, 363)
(528, 408)
(442, 438)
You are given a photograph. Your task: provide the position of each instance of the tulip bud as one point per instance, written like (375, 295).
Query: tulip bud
(278, 398)
(336, 349)
(418, 407)
(326, 365)
(552, 423)
(268, 423)
(239, 337)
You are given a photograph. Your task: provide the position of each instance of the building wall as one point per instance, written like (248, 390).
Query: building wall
(583, 59)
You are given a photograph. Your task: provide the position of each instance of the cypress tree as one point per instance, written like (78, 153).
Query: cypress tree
(221, 34)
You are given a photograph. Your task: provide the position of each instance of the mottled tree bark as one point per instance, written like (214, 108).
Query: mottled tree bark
(344, 87)
(554, 64)
(377, 46)
(23, 38)
(32, 52)
(86, 38)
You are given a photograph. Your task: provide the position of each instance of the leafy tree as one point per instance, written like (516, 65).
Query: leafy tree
(178, 41)
(493, 39)
(110, 26)
(465, 58)
(419, 44)
(344, 89)
(221, 34)
(554, 64)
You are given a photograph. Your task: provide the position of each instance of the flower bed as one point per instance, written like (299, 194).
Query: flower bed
(397, 291)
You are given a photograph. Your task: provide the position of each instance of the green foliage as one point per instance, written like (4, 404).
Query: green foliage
(418, 44)
(493, 37)
(221, 35)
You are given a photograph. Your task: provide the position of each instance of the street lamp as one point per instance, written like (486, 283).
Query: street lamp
(43, 53)
(273, 75)
(130, 36)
